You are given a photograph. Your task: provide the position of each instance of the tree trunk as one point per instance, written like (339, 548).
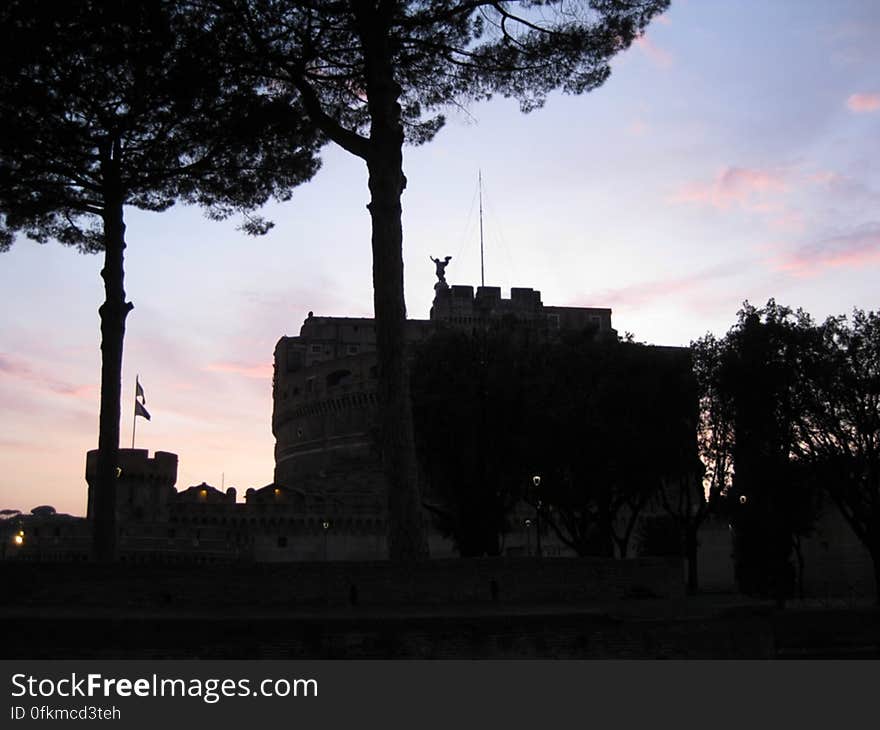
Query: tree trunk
(606, 535)
(875, 558)
(799, 558)
(407, 541)
(622, 546)
(690, 551)
(113, 312)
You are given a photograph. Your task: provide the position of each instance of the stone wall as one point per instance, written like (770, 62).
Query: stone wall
(273, 586)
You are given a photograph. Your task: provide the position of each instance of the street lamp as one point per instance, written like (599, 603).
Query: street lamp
(326, 525)
(528, 524)
(536, 480)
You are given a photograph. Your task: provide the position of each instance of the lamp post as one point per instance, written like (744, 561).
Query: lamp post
(326, 525)
(528, 524)
(536, 480)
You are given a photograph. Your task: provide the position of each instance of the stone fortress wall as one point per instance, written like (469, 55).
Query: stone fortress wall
(324, 396)
(324, 388)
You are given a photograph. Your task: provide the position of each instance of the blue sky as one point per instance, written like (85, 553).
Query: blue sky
(733, 154)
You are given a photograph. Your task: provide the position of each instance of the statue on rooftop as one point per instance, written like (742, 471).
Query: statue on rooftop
(441, 272)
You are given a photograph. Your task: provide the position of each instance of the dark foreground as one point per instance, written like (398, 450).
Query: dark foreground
(466, 609)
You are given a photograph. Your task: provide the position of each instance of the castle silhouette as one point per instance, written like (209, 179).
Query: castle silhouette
(327, 500)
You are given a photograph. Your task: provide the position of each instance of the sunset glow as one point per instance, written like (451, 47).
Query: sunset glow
(733, 154)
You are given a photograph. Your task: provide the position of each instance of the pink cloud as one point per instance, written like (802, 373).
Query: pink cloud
(21, 370)
(248, 370)
(766, 190)
(860, 103)
(16, 369)
(647, 292)
(734, 185)
(659, 56)
(850, 250)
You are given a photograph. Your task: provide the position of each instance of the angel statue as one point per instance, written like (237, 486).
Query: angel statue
(441, 271)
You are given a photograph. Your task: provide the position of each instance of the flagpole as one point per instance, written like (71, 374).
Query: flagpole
(134, 418)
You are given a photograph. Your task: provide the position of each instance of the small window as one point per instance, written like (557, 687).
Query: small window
(353, 349)
(316, 348)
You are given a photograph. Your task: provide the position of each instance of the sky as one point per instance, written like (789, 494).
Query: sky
(733, 154)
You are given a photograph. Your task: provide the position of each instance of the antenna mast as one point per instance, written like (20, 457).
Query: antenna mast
(482, 268)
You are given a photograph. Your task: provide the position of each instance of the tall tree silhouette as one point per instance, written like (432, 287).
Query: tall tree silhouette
(763, 372)
(109, 104)
(840, 439)
(374, 74)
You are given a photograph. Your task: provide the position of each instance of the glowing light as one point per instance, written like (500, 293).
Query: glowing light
(19, 539)
(326, 525)
(743, 499)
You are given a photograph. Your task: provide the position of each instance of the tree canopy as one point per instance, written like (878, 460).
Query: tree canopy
(471, 409)
(840, 434)
(620, 424)
(791, 411)
(93, 88)
(762, 371)
(606, 424)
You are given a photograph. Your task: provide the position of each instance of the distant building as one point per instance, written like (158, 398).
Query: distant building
(325, 416)
(324, 389)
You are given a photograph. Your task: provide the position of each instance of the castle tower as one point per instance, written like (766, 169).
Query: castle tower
(144, 488)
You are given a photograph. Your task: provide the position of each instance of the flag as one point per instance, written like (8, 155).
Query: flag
(139, 410)
(140, 400)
